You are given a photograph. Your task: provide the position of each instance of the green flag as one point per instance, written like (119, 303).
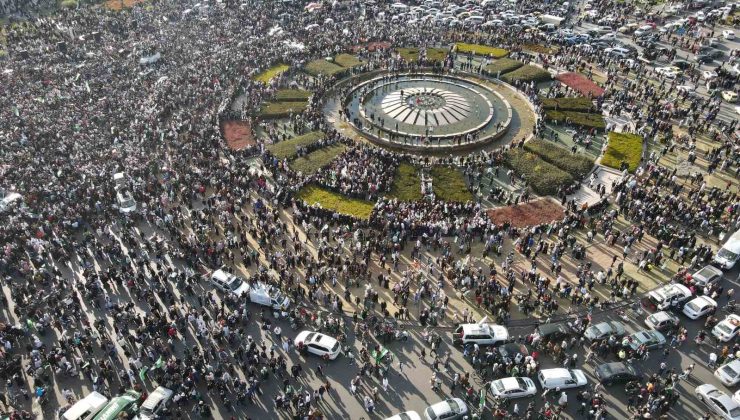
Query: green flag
(30, 324)
(482, 402)
(159, 363)
(142, 373)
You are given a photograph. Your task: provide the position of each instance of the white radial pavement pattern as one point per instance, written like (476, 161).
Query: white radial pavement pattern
(425, 106)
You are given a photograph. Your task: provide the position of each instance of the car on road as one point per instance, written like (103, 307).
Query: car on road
(665, 297)
(728, 34)
(125, 201)
(551, 332)
(228, 283)
(709, 74)
(662, 321)
(616, 372)
(512, 350)
(700, 306)
(668, 72)
(449, 409)
(482, 333)
(318, 344)
(707, 276)
(650, 338)
(729, 95)
(513, 387)
(604, 330)
(561, 378)
(154, 404)
(644, 30)
(619, 52)
(729, 374)
(727, 329)
(406, 415)
(722, 404)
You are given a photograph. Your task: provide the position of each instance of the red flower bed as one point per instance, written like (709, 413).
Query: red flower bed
(580, 84)
(238, 134)
(544, 210)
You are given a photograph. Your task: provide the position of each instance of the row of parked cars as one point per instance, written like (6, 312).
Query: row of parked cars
(97, 406)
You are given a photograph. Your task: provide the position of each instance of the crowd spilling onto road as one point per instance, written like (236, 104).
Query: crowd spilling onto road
(109, 281)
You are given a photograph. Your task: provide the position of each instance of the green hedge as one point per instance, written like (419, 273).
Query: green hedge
(281, 109)
(504, 65)
(449, 184)
(270, 73)
(623, 147)
(312, 162)
(406, 183)
(412, 54)
(477, 49)
(577, 165)
(322, 67)
(292, 95)
(288, 149)
(581, 119)
(69, 4)
(527, 73)
(313, 194)
(580, 104)
(347, 60)
(543, 177)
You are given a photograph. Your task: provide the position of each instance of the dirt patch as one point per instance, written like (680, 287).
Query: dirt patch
(238, 134)
(543, 210)
(122, 4)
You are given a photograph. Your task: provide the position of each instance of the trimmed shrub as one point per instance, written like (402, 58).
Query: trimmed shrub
(543, 177)
(449, 184)
(477, 49)
(313, 194)
(69, 4)
(527, 74)
(270, 73)
(289, 148)
(322, 67)
(503, 65)
(581, 119)
(347, 60)
(281, 109)
(623, 147)
(412, 54)
(580, 104)
(292, 95)
(577, 165)
(406, 183)
(312, 162)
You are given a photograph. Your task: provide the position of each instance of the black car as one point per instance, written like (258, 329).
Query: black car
(511, 350)
(552, 332)
(709, 56)
(611, 373)
(683, 65)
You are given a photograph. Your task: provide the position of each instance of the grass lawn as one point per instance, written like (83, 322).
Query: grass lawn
(481, 50)
(292, 95)
(282, 109)
(312, 162)
(527, 73)
(348, 60)
(581, 119)
(287, 149)
(504, 65)
(322, 67)
(406, 183)
(412, 54)
(270, 73)
(580, 104)
(449, 184)
(313, 194)
(577, 165)
(623, 147)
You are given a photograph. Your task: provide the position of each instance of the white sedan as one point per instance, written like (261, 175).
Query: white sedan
(318, 344)
(727, 329)
(709, 74)
(668, 72)
(699, 307)
(728, 34)
(513, 387)
(722, 404)
(729, 374)
(729, 95)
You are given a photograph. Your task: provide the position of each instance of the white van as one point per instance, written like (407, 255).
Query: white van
(86, 408)
(728, 255)
(266, 295)
(154, 403)
(561, 378)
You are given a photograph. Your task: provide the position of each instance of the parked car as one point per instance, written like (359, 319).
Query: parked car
(561, 378)
(662, 321)
(665, 297)
(154, 403)
(728, 34)
(722, 404)
(318, 344)
(512, 387)
(551, 332)
(650, 338)
(727, 329)
(229, 283)
(449, 409)
(729, 96)
(668, 72)
(482, 333)
(512, 350)
(611, 373)
(125, 201)
(708, 75)
(86, 408)
(700, 306)
(604, 330)
(644, 30)
(729, 374)
(707, 276)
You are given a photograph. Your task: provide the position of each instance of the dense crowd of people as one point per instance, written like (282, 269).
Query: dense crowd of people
(115, 301)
